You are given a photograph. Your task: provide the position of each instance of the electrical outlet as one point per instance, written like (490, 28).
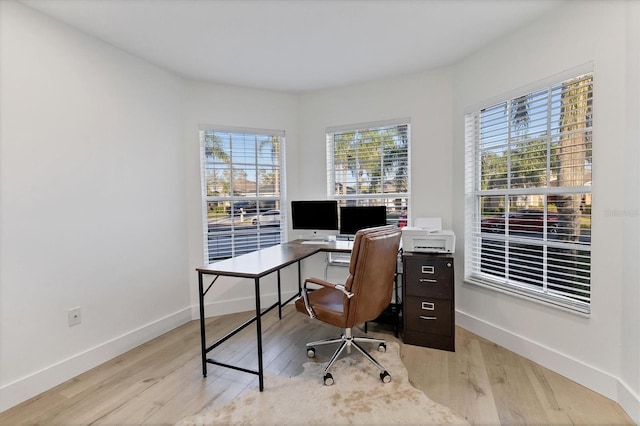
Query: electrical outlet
(74, 316)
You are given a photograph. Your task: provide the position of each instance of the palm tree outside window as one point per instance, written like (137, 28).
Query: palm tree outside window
(368, 165)
(241, 190)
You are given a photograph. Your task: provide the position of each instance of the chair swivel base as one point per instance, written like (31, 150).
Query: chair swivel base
(348, 341)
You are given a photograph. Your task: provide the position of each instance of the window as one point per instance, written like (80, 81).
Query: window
(528, 194)
(241, 181)
(368, 165)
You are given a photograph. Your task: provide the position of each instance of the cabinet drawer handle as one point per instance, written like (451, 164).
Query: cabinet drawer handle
(428, 318)
(428, 306)
(427, 269)
(427, 280)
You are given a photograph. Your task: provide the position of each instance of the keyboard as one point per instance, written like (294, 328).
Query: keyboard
(315, 242)
(340, 258)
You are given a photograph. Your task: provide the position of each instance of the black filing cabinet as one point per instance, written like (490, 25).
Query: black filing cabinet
(428, 300)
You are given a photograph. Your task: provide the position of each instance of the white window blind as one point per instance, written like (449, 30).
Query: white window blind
(528, 194)
(241, 187)
(368, 164)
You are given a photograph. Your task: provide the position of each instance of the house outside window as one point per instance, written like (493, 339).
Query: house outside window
(528, 193)
(241, 190)
(368, 165)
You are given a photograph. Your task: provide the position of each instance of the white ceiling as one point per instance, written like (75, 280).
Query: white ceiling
(299, 45)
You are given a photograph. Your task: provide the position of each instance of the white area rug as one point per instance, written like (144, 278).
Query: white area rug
(357, 397)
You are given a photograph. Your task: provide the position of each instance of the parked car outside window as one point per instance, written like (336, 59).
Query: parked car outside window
(402, 220)
(527, 221)
(270, 217)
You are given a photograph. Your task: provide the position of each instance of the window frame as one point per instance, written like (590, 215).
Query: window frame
(476, 268)
(265, 234)
(397, 203)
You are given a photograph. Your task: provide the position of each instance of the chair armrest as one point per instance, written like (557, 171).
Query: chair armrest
(323, 283)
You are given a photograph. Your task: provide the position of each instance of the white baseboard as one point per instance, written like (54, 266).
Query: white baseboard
(23, 389)
(629, 402)
(576, 370)
(14, 393)
(231, 306)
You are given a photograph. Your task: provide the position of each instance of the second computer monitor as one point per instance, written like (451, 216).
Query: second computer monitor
(354, 218)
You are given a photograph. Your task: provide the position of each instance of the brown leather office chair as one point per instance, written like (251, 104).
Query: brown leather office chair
(363, 297)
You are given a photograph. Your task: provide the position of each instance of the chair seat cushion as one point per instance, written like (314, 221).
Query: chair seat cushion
(328, 305)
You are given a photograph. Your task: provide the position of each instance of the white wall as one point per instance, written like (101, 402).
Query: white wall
(425, 98)
(592, 351)
(93, 206)
(630, 315)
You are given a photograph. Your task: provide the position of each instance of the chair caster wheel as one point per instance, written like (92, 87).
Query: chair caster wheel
(328, 379)
(382, 347)
(311, 352)
(385, 377)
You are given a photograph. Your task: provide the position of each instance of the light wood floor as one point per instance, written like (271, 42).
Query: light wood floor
(160, 382)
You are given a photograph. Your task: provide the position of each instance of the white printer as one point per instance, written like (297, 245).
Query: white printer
(427, 236)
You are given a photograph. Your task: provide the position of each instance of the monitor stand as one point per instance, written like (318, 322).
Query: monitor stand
(318, 237)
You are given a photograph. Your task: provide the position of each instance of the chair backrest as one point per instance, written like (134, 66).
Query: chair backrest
(371, 273)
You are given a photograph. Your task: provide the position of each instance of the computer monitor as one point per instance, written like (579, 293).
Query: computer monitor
(319, 217)
(354, 218)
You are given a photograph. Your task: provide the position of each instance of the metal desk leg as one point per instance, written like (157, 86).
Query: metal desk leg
(259, 331)
(299, 278)
(279, 297)
(202, 331)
